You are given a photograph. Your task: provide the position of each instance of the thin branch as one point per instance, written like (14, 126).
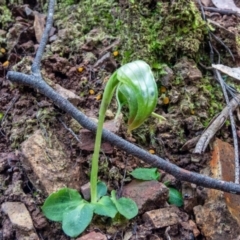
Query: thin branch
(224, 45)
(65, 105)
(35, 80)
(69, 129)
(37, 61)
(234, 132)
(215, 125)
(218, 122)
(222, 11)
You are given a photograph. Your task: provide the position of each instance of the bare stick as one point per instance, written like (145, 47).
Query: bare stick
(69, 129)
(37, 61)
(36, 81)
(222, 11)
(220, 41)
(180, 173)
(234, 132)
(215, 125)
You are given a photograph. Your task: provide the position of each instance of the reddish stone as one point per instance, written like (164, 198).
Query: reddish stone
(148, 195)
(93, 236)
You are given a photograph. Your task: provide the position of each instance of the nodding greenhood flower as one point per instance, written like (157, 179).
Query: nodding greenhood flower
(138, 90)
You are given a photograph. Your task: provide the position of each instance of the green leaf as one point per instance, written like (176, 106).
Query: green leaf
(76, 219)
(101, 189)
(125, 206)
(1, 116)
(146, 174)
(138, 89)
(105, 207)
(57, 203)
(175, 197)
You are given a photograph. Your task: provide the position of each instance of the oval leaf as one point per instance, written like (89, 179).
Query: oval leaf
(57, 203)
(146, 174)
(105, 207)
(175, 197)
(101, 189)
(138, 88)
(75, 220)
(125, 206)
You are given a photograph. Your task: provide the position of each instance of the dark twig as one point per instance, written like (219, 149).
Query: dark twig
(234, 132)
(37, 60)
(222, 11)
(69, 129)
(202, 11)
(65, 105)
(221, 42)
(40, 85)
(215, 125)
(218, 122)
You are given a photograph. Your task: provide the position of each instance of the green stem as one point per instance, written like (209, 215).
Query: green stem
(107, 97)
(160, 117)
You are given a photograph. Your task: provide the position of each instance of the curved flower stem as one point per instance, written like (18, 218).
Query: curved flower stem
(160, 117)
(107, 97)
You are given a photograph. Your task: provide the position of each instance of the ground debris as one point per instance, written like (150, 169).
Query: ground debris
(162, 217)
(93, 236)
(219, 217)
(50, 165)
(20, 220)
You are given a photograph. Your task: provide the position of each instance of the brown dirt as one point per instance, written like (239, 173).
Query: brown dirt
(26, 111)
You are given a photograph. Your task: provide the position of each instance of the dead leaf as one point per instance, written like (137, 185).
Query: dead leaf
(232, 72)
(206, 3)
(39, 23)
(223, 4)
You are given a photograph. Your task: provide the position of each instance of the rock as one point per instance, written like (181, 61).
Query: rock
(49, 167)
(87, 141)
(109, 114)
(53, 38)
(88, 138)
(194, 228)
(15, 189)
(67, 94)
(162, 217)
(8, 160)
(27, 46)
(93, 236)
(190, 227)
(20, 220)
(85, 190)
(189, 196)
(187, 69)
(170, 179)
(167, 79)
(39, 220)
(206, 3)
(18, 215)
(148, 195)
(219, 217)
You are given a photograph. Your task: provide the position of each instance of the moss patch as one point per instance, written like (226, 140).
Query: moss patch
(151, 34)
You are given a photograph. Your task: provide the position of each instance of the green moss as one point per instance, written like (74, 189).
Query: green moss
(163, 32)
(182, 30)
(5, 17)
